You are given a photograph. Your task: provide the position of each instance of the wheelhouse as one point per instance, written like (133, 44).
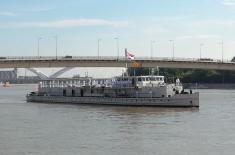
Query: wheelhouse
(143, 81)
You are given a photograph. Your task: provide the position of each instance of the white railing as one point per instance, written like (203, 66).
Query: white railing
(112, 58)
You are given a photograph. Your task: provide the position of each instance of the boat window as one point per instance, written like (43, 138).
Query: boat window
(147, 79)
(139, 79)
(143, 79)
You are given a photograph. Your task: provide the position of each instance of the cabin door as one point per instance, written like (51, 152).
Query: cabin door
(81, 93)
(73, 92)
(64, 92)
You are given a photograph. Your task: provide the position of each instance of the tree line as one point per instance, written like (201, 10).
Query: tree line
(188, 75)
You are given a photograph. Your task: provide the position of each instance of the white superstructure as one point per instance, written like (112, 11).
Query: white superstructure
(150, 81)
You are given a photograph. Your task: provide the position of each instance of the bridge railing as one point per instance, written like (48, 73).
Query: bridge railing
(120, 58)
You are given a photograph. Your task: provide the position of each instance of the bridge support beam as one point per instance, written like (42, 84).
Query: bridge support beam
(60, 72)
(43, 76)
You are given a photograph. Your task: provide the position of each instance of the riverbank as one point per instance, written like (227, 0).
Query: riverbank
(209, 85)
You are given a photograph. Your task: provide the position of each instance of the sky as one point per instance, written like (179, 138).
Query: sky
(138, 24)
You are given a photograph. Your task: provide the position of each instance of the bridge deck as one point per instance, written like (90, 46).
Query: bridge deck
(39, 62)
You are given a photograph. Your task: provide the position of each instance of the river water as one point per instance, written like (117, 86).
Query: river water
(59, 129)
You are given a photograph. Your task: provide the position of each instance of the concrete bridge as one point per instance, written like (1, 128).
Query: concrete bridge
(69, 61)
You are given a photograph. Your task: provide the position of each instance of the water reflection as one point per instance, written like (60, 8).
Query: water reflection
(151, 110)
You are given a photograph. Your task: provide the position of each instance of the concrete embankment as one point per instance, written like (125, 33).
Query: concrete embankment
(209, 85)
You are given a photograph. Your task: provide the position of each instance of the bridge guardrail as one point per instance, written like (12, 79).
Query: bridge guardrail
(120, 58)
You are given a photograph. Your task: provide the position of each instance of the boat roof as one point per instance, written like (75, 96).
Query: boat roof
(140, 76)
(151, 76)
(85, 78)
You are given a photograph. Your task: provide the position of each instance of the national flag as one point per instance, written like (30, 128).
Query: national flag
(129, 55)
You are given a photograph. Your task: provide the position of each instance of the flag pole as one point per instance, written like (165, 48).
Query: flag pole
(126, 61)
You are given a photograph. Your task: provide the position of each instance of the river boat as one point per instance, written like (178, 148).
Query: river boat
(123, 90)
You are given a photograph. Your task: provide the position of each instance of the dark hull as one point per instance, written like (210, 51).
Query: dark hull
(179, 100)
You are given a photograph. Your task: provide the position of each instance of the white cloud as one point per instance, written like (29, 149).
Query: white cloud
(228, 2)
(9, 14)
(216, 23)
(199, 36)
(35, 10)
(70, 23)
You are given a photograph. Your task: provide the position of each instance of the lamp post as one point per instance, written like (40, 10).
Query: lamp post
(201, 45)
(151, 48)
(117, 42)
(173, 48)
(56, 45)
(39, 38)
(222, 50)
(98, 48)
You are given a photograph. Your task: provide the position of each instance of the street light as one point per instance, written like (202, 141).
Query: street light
(222, 49)
(151, 48)
(117, 41)
(173, 48)
(201, 50)
(98, 50)
(39, 38)
(56, 44)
